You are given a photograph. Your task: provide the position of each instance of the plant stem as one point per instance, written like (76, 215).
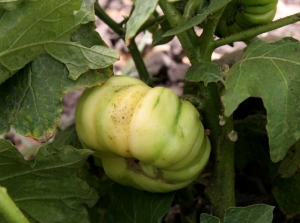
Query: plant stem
(139, 62)
(250, 33)
(190, 9)
(9, 210)
(150, 23)
(188, 39)
(109, 21)
(135, 53)
(220, 188)
(207, 37)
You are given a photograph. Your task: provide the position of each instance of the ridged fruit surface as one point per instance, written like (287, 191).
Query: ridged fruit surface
(146, 137)
(244, 14)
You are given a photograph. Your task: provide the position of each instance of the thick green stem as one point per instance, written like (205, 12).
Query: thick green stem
(207, 37)
(109, 21)
(220, 189)
(188, 39)
(190, 9)
(135, 53)
(9, 210)
(139, 62)
(250, 33)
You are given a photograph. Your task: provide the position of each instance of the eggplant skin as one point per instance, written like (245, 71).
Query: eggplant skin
(240, 15)
(146, 137)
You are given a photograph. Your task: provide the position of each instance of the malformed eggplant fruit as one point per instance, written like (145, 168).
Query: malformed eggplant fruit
(146, 137)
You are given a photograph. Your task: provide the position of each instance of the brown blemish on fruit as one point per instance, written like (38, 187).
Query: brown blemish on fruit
(133, 165)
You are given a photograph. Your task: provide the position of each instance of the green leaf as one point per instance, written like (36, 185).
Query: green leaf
(11, 5)
(249, 147)
(135, 206)
(67, 136)
(87, 9)
(260, 213)
(291, 163)
(87, 35)
(45, 26)
(270, 72)
(206, 218)
(142, 11)
(180, 5)
(158, 38)
(31, 99)
(206, 72)
(47, 189)
(102, 185)
(214, 6)
(286, 191)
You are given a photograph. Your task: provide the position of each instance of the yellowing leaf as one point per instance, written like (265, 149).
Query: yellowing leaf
(45, 26)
